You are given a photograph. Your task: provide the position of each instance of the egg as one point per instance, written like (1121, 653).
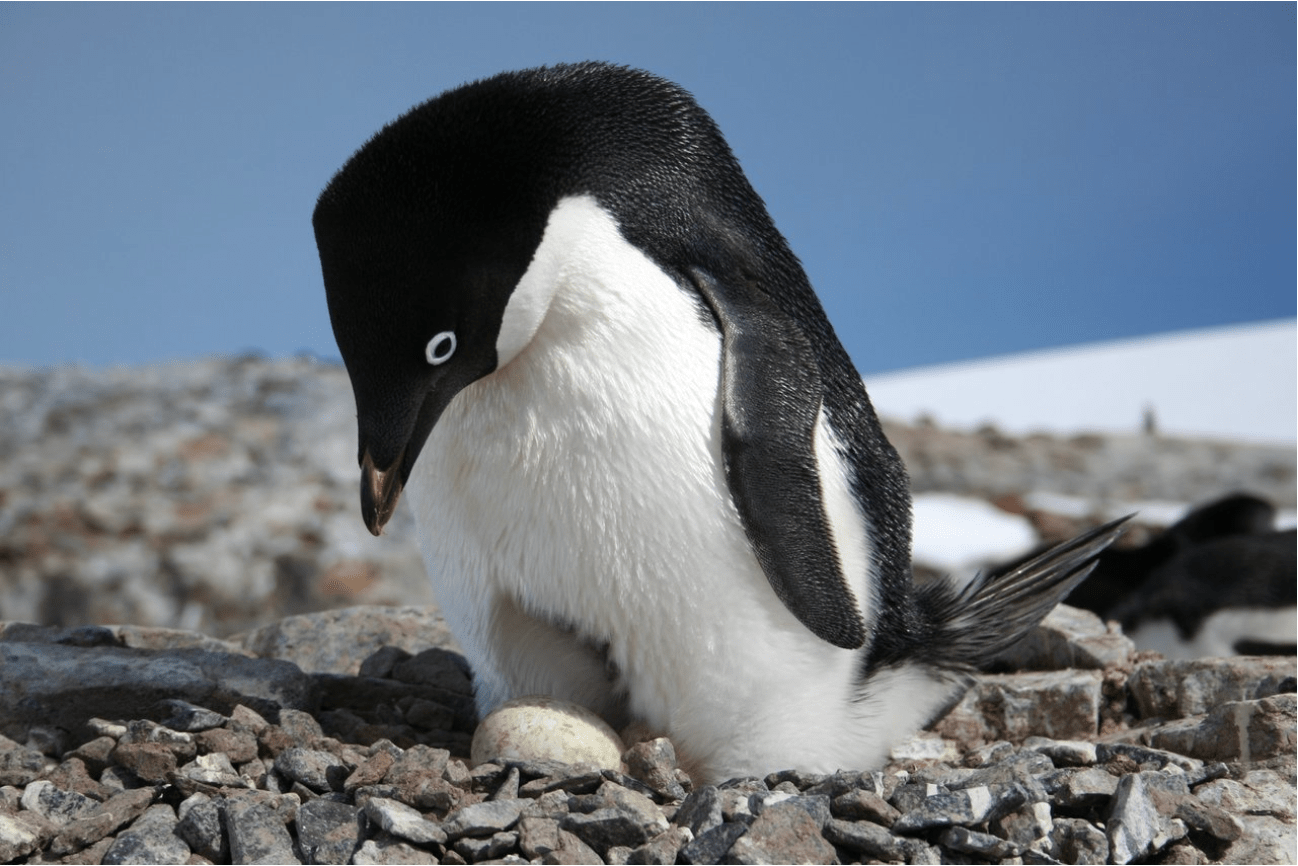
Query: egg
(538, 727)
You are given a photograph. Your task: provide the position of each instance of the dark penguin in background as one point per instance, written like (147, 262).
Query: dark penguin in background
(1220, 581)
(646, 476)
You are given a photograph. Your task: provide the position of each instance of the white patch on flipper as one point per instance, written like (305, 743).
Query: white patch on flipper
(849, 529)
(1219, 633)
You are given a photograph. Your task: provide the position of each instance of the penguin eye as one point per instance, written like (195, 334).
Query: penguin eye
(440, 348)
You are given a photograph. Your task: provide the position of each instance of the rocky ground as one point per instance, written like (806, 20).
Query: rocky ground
(339, 737)
(285, 694)
(219, 495)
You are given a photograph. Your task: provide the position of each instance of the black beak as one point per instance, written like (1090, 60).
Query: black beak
(380, 490)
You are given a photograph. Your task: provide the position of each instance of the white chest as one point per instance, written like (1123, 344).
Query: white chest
(584, 478)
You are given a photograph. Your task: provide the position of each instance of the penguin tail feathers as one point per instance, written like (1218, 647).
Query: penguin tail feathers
(974, 623)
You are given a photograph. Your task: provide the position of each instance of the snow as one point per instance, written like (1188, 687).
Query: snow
(959, 534)
(1237, 383)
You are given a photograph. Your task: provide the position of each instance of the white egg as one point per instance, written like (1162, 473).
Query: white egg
(540, 727)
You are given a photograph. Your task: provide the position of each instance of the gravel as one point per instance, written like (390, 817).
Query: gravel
(286, 693)
(1164, 762)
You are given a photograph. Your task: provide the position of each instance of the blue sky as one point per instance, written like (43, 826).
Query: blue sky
(960, 181)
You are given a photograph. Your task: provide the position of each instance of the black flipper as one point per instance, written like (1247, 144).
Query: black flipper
(973, 624)
(771, 395)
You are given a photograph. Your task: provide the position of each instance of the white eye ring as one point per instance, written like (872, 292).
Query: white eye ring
(440, 348)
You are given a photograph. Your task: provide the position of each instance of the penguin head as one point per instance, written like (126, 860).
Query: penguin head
(425, 233)
(420, 248)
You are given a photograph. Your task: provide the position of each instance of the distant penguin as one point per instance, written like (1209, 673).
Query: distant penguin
(645, 474)
(1220, 581)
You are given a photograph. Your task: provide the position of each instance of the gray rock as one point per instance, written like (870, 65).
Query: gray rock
(1265, 840)
(319, 771)
(1081, 788)
(1079, 841)
(873, 841)
(404, 822)
(300, 726)
(909, 796)
(257, 833)
(1064, 753)
(635, 804)
(844, 782)
(1135, 828)
(1174, 689)
(21, 834)
(328, 831)
(483, 819)
(48, 682)
(492, 847)
(55, 805)
(151, 839)
(19, 765)
(653, 762)
(202, 827)
(213, 770)
(440, 668)
(701, 810)
(967, 807)
(1062, 705)
(239, 747)
(419, 776)
(661, 848)
(1197, 814)
(572, 850)
(736, 803)
(991, 753)
(815, 805)
(1259, 792)
(864, 806)
(1144, 756)
(105, 818)
(711, 845)
(385, 850)
(984, 845)
(1026, 827)
(311, 641)
(608, 827)
(1235, 731)
(784, 832)
(537, 836)
(575, 779)
(1022, 767)
(184, 716)
(507, 789)
(1067, 638)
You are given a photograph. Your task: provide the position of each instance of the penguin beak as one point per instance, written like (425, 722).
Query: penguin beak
(380, 490)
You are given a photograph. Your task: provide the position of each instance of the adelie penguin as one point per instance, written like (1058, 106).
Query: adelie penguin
(646, 476)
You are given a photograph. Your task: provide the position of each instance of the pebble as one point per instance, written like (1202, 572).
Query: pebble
(341, 773)
(151, 839)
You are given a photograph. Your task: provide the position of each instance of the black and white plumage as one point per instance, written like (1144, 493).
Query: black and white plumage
(647, 477)
(1221, 581)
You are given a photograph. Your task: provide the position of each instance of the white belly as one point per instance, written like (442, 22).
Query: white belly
(574, 502)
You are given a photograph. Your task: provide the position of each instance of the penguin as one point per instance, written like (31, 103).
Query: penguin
(646, 476)
(1218, 582)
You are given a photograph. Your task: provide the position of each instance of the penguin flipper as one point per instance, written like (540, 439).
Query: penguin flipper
(771, 399)
(975, 623)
